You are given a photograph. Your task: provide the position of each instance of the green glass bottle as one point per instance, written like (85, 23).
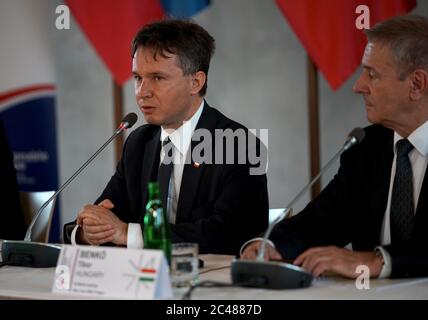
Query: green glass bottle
(156, 230)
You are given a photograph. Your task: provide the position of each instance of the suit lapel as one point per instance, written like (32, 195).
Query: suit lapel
(150, 163)
(423, 201)
(421, 216)
(192, 172)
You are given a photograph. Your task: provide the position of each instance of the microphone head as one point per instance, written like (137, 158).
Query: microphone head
(358, 134)
(129, 120)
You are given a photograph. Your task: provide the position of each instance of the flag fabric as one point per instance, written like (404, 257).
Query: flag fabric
(183, 9)
(327, 31)
(110, 25)
(27, 98)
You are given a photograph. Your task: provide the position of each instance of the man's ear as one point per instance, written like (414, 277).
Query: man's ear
(198, 80)
(418, 84)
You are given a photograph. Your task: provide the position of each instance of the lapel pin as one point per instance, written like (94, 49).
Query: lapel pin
(196, 164)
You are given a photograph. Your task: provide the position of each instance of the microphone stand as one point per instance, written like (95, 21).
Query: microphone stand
(44, 255)
(33, 221)
(276, 274)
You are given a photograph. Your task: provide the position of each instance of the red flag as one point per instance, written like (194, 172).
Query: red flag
(110, 26)
(327, 30)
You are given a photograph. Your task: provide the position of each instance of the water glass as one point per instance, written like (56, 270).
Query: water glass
(184, 264)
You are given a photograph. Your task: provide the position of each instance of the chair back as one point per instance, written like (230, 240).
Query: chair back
(31, 202)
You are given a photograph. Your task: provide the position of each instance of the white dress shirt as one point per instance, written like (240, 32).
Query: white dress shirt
(181, 139)
(418, 157)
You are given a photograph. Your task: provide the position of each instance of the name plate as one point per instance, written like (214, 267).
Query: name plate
(112, 273)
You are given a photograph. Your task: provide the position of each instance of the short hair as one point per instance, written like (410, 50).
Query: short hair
(407, 37)
(192, 44)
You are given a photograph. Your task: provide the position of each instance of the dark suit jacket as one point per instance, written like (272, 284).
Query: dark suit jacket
(220, 206)
(352, 206)
(12, 225)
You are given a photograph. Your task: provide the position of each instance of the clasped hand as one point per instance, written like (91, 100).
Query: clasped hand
(100, 225)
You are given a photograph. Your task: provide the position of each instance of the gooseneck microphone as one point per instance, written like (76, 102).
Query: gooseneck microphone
(127, 122)
(279, 275)
(354, 137)
(39, 255)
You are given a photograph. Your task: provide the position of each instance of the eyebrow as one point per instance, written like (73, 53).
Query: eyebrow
(369, 68)
(155, 73)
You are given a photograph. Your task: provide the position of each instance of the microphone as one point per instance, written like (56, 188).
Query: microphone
(43, 255)
(280, 275)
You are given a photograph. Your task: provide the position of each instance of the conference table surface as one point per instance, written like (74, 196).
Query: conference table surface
(34, 283)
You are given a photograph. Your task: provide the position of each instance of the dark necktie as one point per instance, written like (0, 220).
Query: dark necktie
(402, 206)
(165, 170)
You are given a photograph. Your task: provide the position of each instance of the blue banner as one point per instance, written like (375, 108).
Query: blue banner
(184, 8)
(30, 125)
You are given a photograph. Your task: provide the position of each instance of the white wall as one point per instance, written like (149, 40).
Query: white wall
(257, 77)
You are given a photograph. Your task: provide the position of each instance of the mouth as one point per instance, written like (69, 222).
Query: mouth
(366, 100)
(146, 109)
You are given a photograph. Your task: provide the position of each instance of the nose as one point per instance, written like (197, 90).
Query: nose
(360, 86)
(143, 89)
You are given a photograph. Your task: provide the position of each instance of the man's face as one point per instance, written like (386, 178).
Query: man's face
(163, 93)
(386, 96)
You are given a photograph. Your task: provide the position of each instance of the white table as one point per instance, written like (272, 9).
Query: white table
(31, 283)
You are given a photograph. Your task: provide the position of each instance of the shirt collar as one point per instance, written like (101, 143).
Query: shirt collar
(182, 136)
(417, 138)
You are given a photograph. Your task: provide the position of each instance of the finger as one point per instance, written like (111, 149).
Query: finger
(310, 258)
(314, 260)
(94, 209)
(95, 228)
(98, 228)
(90, 208)
(319, 269)
(267, 253)
(250, 252)
(299, 260)
(94, 216)
(246, 254)
(82, 212)
(91, 222)
(257, 250)
(273, 254)
(101, 241)
(309, 262)
(89, 219)
(303, 256)
(106, 203)
(99, 235)
(79, 221)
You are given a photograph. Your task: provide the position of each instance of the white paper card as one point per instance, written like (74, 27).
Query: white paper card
(112, 273)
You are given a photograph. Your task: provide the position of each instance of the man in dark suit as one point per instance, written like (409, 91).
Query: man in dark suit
(12, 226)
(215, 204)
(378, 200)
